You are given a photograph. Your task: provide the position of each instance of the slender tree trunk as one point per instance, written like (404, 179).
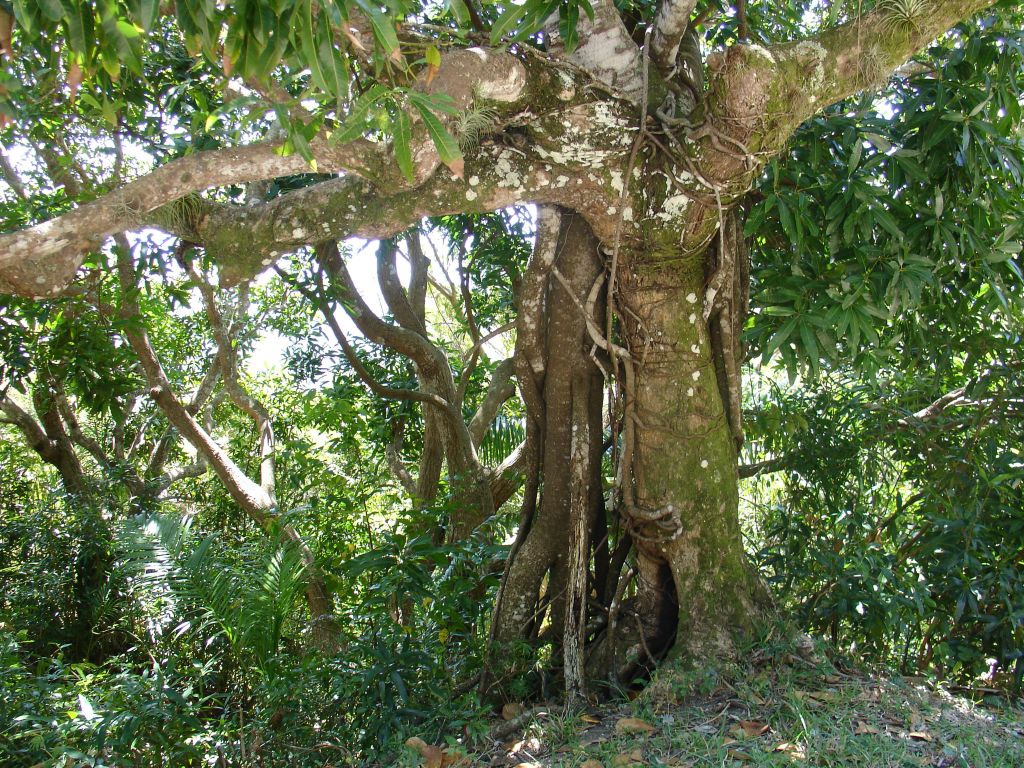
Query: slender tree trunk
(538, 576)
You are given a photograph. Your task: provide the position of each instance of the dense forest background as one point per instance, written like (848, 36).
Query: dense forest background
(148, 618)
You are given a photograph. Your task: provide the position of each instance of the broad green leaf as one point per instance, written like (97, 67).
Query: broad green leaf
(355, 122)
(506, 22)
(447, 147)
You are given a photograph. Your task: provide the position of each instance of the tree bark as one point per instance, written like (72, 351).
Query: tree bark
(540, 581)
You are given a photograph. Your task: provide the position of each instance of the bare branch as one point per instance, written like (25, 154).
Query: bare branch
(10, 176)
(669, 27)
(392, 290)
(420, 276)
(227, 362)
(509, 475)
(253, 499)
(500, 389)
(393, 452)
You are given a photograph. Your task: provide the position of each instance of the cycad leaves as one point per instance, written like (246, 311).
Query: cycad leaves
(246, 595)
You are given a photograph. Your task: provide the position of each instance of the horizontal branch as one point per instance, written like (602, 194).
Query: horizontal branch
(40, 260)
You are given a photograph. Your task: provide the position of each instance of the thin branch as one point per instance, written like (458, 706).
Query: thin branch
(500, 389)
(11, 176)
(247, 494)
(226, 360)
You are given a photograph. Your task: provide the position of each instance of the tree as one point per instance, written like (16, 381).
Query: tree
(349, 119)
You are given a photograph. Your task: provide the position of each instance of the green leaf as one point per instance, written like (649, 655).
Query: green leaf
(569, 18)
(383, 29)
(855, 155)
(459, 11)
(355, 122)
(506, 22)
(401, 130)
(447, 147)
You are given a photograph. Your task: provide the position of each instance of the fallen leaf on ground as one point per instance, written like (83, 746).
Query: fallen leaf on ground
(743, 757)
(862, 728)
(629, 725)
(749, 729)
(433, 757)
(920, 736)
(512, 710)
(532, 744)
(795, 751)
(627, 759)
(590, 719)
(592, 763)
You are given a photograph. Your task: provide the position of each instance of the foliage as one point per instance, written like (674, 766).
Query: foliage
(899, 537)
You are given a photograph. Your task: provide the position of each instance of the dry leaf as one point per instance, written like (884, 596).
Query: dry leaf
(743, 757)
(354, 39)
(627, 759)
(512, 710)
(920, 736)
(592, 763)
(590, 719)
(457, 167)
(432, 70)
(749, 729)
(433, 757)
(74, 80)
(528, 765)
(629, 725)
(863, 728)
(795, 751)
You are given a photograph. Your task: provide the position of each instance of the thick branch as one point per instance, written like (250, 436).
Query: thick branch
(41, 259)
(605, 50)
(393, 291)
(781, 86)
(669, 27)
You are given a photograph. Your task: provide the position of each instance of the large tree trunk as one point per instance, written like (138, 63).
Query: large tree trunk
(686, 588)
(684, 514)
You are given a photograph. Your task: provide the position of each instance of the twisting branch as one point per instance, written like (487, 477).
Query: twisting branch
(226, 361)
(254, 500)
(500, 389)
(393, 292)
(248, 495)
(808, 75)
(393, 453)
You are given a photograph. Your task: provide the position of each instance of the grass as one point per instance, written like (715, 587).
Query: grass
(780, 708)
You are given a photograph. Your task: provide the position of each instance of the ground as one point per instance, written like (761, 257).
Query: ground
(787, 708)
